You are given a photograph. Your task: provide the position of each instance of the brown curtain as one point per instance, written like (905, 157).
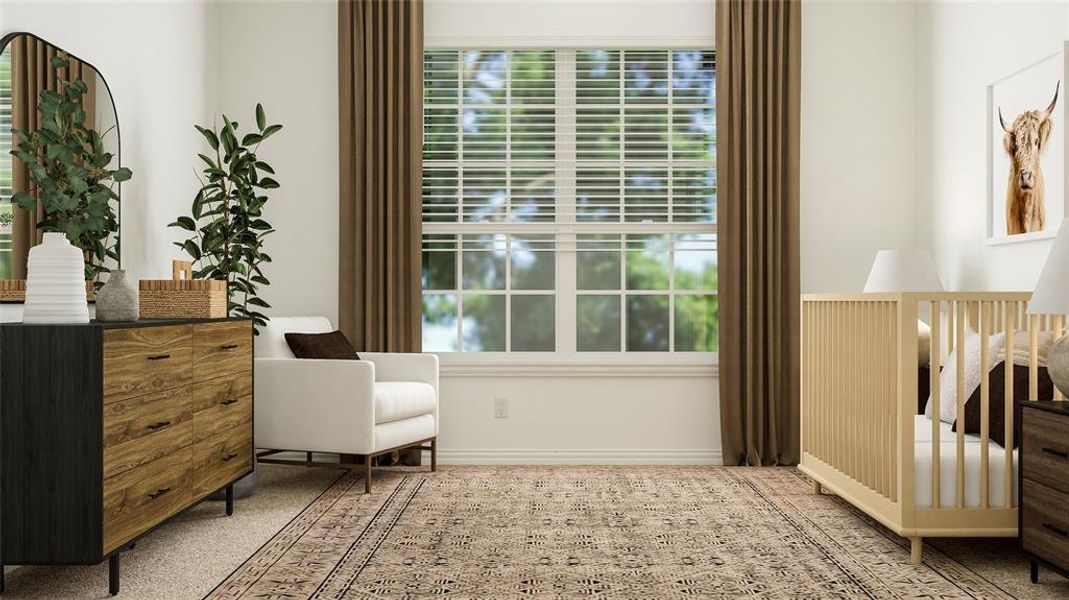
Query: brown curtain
(757, 104)
(381, 89)
(31, 73)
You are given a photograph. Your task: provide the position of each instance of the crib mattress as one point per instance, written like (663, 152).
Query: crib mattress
(948, 465)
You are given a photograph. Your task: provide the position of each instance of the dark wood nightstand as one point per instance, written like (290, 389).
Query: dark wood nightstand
(1043, 477)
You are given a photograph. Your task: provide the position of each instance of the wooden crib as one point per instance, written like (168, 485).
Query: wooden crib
(859, 405)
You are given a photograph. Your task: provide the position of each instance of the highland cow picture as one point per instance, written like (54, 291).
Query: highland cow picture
(1026, 152)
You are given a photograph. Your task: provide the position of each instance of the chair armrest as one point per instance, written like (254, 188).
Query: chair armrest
(315, 405)
(396, 366)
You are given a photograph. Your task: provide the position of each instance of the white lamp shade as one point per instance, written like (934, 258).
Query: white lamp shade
(1051, 296)
(903, 271)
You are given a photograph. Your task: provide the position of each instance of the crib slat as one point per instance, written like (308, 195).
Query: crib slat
(1010, 327)
(894, 334)
(937, 333)
(1058, 329)
(960, 400)
(866, 413)
(888, 399)
(985, 399)
(1033, 357)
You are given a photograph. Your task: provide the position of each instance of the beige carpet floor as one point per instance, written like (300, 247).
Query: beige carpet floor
(189, 557)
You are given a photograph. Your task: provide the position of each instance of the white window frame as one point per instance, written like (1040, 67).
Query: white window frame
(567, 360)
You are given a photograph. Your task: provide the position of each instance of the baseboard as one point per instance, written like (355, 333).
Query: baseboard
(580, 457)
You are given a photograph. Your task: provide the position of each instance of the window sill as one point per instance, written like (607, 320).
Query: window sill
(453, 365)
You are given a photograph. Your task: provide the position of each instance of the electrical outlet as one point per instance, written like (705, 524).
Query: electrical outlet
(501, 408)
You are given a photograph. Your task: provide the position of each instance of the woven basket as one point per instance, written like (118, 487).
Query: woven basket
(14, 290)
(182, 297)
(170, 299)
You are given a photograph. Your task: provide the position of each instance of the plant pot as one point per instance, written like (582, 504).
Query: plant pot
(55, 283)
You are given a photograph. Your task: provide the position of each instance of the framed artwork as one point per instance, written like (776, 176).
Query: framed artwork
(1026, 151)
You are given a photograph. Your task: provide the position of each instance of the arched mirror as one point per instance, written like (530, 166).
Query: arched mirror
(49, 96)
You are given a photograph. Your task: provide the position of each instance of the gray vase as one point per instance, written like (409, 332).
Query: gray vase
(117, 300)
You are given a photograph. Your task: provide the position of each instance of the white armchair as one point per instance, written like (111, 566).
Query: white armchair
(381, 403)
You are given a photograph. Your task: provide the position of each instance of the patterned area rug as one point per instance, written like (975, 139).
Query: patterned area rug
(590, 532)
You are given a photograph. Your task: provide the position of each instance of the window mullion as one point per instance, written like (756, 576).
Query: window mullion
(565, 125)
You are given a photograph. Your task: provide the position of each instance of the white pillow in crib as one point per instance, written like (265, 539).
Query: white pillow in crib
(948, 377)
(1022, 348)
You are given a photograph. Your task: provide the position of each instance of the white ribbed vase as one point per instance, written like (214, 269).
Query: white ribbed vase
(55, 283)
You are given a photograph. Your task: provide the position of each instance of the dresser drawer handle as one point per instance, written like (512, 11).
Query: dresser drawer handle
(230, 456)
(229, 401)
(230, 346)
(159, 425)
(1057, 530)
(1058, 453)
(159, 357)
(159, 493)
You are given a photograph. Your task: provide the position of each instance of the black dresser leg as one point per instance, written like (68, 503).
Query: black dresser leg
(1035, 571)
(113, 574)
(229, 500)
(1, 577)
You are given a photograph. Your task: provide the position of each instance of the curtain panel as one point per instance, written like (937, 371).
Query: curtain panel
(757, 115)
(32, 73)
(380, 91)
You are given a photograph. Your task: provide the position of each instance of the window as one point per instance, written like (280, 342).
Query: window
(569, 201)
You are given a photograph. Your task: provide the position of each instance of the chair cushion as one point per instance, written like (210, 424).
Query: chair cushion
(330, 346)
(398, 400)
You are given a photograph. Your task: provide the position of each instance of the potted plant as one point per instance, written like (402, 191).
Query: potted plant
(226, 219)
(71, 173)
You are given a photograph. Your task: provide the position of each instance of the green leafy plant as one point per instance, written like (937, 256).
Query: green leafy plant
(71, 175)
(226, 220)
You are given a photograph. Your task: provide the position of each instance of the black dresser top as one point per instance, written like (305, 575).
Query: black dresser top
(127, 324)
(1053, 406)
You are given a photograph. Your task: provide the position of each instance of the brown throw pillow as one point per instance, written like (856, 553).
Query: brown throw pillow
(997, 400)
(331, 346)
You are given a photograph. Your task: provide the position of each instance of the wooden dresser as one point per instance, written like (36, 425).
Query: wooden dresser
(109, 429)
(1044, 484)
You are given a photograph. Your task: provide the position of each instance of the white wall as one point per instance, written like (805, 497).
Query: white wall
(285, 55)
(963, 47)
(858, 134)
(611, 416)
(158, 59)
(857, 175)
(568, 22)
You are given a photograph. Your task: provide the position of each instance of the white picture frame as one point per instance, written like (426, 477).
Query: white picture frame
(1029, 88)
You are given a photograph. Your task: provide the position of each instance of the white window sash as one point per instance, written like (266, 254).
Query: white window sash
(565, 230)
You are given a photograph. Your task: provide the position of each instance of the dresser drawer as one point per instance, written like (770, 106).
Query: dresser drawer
(218, 460)
(143, 497)
(221, 391)
(134, 453)
(221, 349)
(219, 418)
(134, 418)
(143, 360)
(1046, 450)
(1045, 523)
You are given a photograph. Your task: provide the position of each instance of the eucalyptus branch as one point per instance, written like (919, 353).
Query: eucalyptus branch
(71, 175)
